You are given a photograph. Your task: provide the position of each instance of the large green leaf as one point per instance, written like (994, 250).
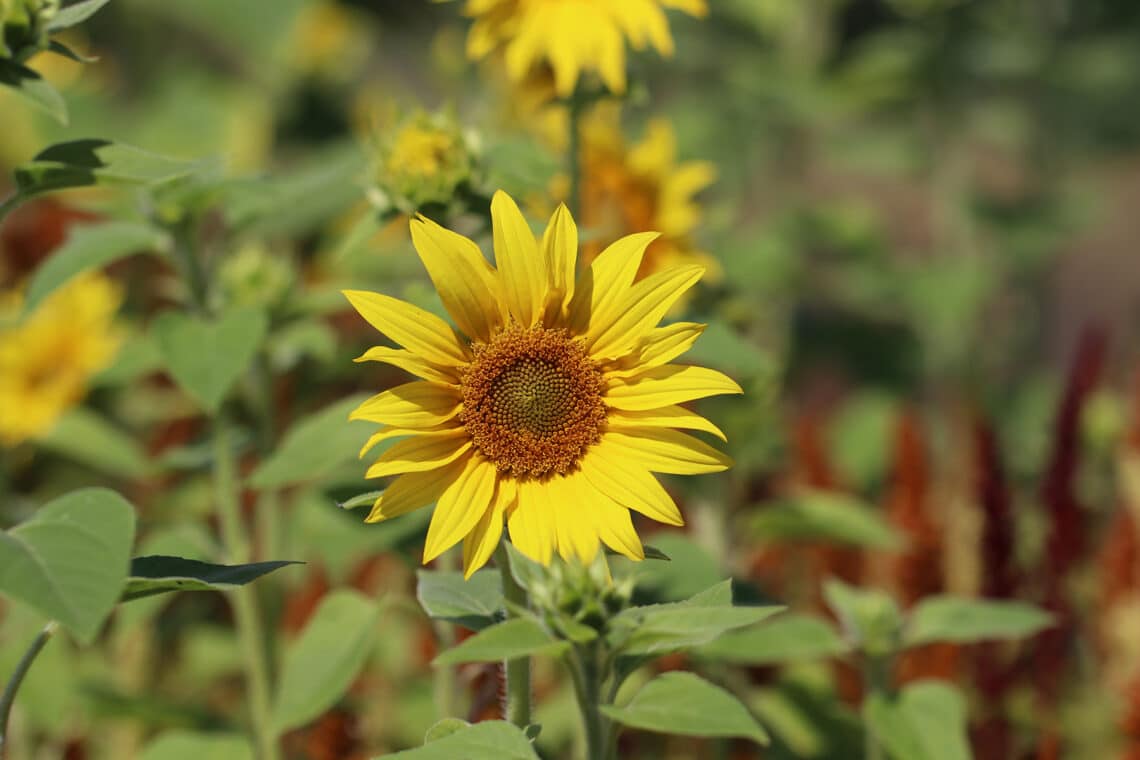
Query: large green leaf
(964, 621)
(825, 516)
(518, 637)
(320, 665)
(193, 745)
(314, 446)
(686, 704)
(70, 560)
(490, 740)
(159, 574)
(85, 436)
(925, 721)
(90, 246)
(207, 357)
(93, 161)
(472, 603)
(788, 638)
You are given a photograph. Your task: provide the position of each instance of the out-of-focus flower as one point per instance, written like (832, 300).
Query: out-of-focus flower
(572, 36)
(552, 403)
(424, 162)
(254, 276)
(644, 187)
(48, 357)
(329, 39)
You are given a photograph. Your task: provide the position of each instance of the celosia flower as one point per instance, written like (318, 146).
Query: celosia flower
(571, 36)
(625, 189)
(47, 358)
(551, 403)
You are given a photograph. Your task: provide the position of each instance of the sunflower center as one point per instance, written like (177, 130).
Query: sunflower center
(532, 401)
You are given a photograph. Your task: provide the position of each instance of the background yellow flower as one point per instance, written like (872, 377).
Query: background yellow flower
(572, 36)
(48, 357)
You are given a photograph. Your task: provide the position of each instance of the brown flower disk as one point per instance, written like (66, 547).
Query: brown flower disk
(532, 401)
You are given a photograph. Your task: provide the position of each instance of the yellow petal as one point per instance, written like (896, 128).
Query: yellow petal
(460, 506)
(663, 450)
(639, 310)
(463, 277)
(390, 432)
(522, 270)
(627, 484)
(412, 491)
(607, 280)
(615, 527)
(419, 404)
(666, 416)
(574, 517)
(408, 362)
(661, 345)
(560, 248)
(428, 451)
(532, 530)
(419, 331)
(671, 384)
(481, 542)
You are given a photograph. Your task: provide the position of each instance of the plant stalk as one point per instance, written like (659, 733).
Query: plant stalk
(247, 614)
(13, 686)
(877, 680)
(443, 677)
(576, 108)
(516, 707)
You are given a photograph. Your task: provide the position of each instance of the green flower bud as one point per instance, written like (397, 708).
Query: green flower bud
(24, 24)
(424, 162)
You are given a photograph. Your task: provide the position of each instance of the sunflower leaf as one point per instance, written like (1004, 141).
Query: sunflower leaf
(965, 621)
(788, 638)
(925, 721)
(473, 603)
(159, 574)
(518, 637)
(489, 740)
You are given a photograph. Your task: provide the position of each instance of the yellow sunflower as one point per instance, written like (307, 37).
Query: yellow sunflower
(572, 36)
(47, 358)
(551, 403)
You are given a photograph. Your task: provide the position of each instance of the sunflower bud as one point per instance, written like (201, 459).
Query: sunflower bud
(24, 24)
(423, 163)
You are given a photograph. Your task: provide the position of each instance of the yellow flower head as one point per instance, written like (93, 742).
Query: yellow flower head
(47, 359)
(425, 161)
(627, 189)
(571, 36)
(551, 402)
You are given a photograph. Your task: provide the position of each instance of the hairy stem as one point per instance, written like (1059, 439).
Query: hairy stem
(13, 686)
(247, 614)
(517, 700)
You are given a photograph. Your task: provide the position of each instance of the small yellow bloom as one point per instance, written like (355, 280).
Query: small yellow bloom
(551, 402)
(47, 358)
(572, 36)
(425, 161)
(626, 189)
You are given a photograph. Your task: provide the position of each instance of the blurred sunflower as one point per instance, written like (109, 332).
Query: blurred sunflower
(571, 36)
(426, 159)
(48, 357)
(551, 405)
(625, 189)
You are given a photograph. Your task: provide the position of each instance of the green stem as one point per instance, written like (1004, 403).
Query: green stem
(586, 677)
(877, 680)
(576, 107)
(247, 614)
(517, 699)
(22, 668)
(443, 678)
(195, 274)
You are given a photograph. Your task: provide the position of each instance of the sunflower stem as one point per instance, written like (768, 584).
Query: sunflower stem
(22, 667)
(587, 679)
(516, 707)
(443, 678)
(576, 108)
(247, 614)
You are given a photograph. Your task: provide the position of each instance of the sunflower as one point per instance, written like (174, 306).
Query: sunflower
(551, 402)
(571, 36)
(48, 357)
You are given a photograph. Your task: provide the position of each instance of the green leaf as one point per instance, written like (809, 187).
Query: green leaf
(320, 665)
(35, 89)
(92, 161)
(160, 574)
(509, 640)
(91, 246)
(688, 705)
(444, 727)
(472, 603)
(315, 446)
(192, 745)
(690, 569)
(90, 439)
(368, 498)
(869, 617)
(825, 516)
(661, 628)
(964, 621)
(788, 638)
(207, 357)
(69, 561)
(76, 13)
(490, 740)
(926, 721)
(59, 48)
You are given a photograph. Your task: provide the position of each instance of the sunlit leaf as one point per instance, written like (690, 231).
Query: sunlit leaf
(686, 704)
(472, 603)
